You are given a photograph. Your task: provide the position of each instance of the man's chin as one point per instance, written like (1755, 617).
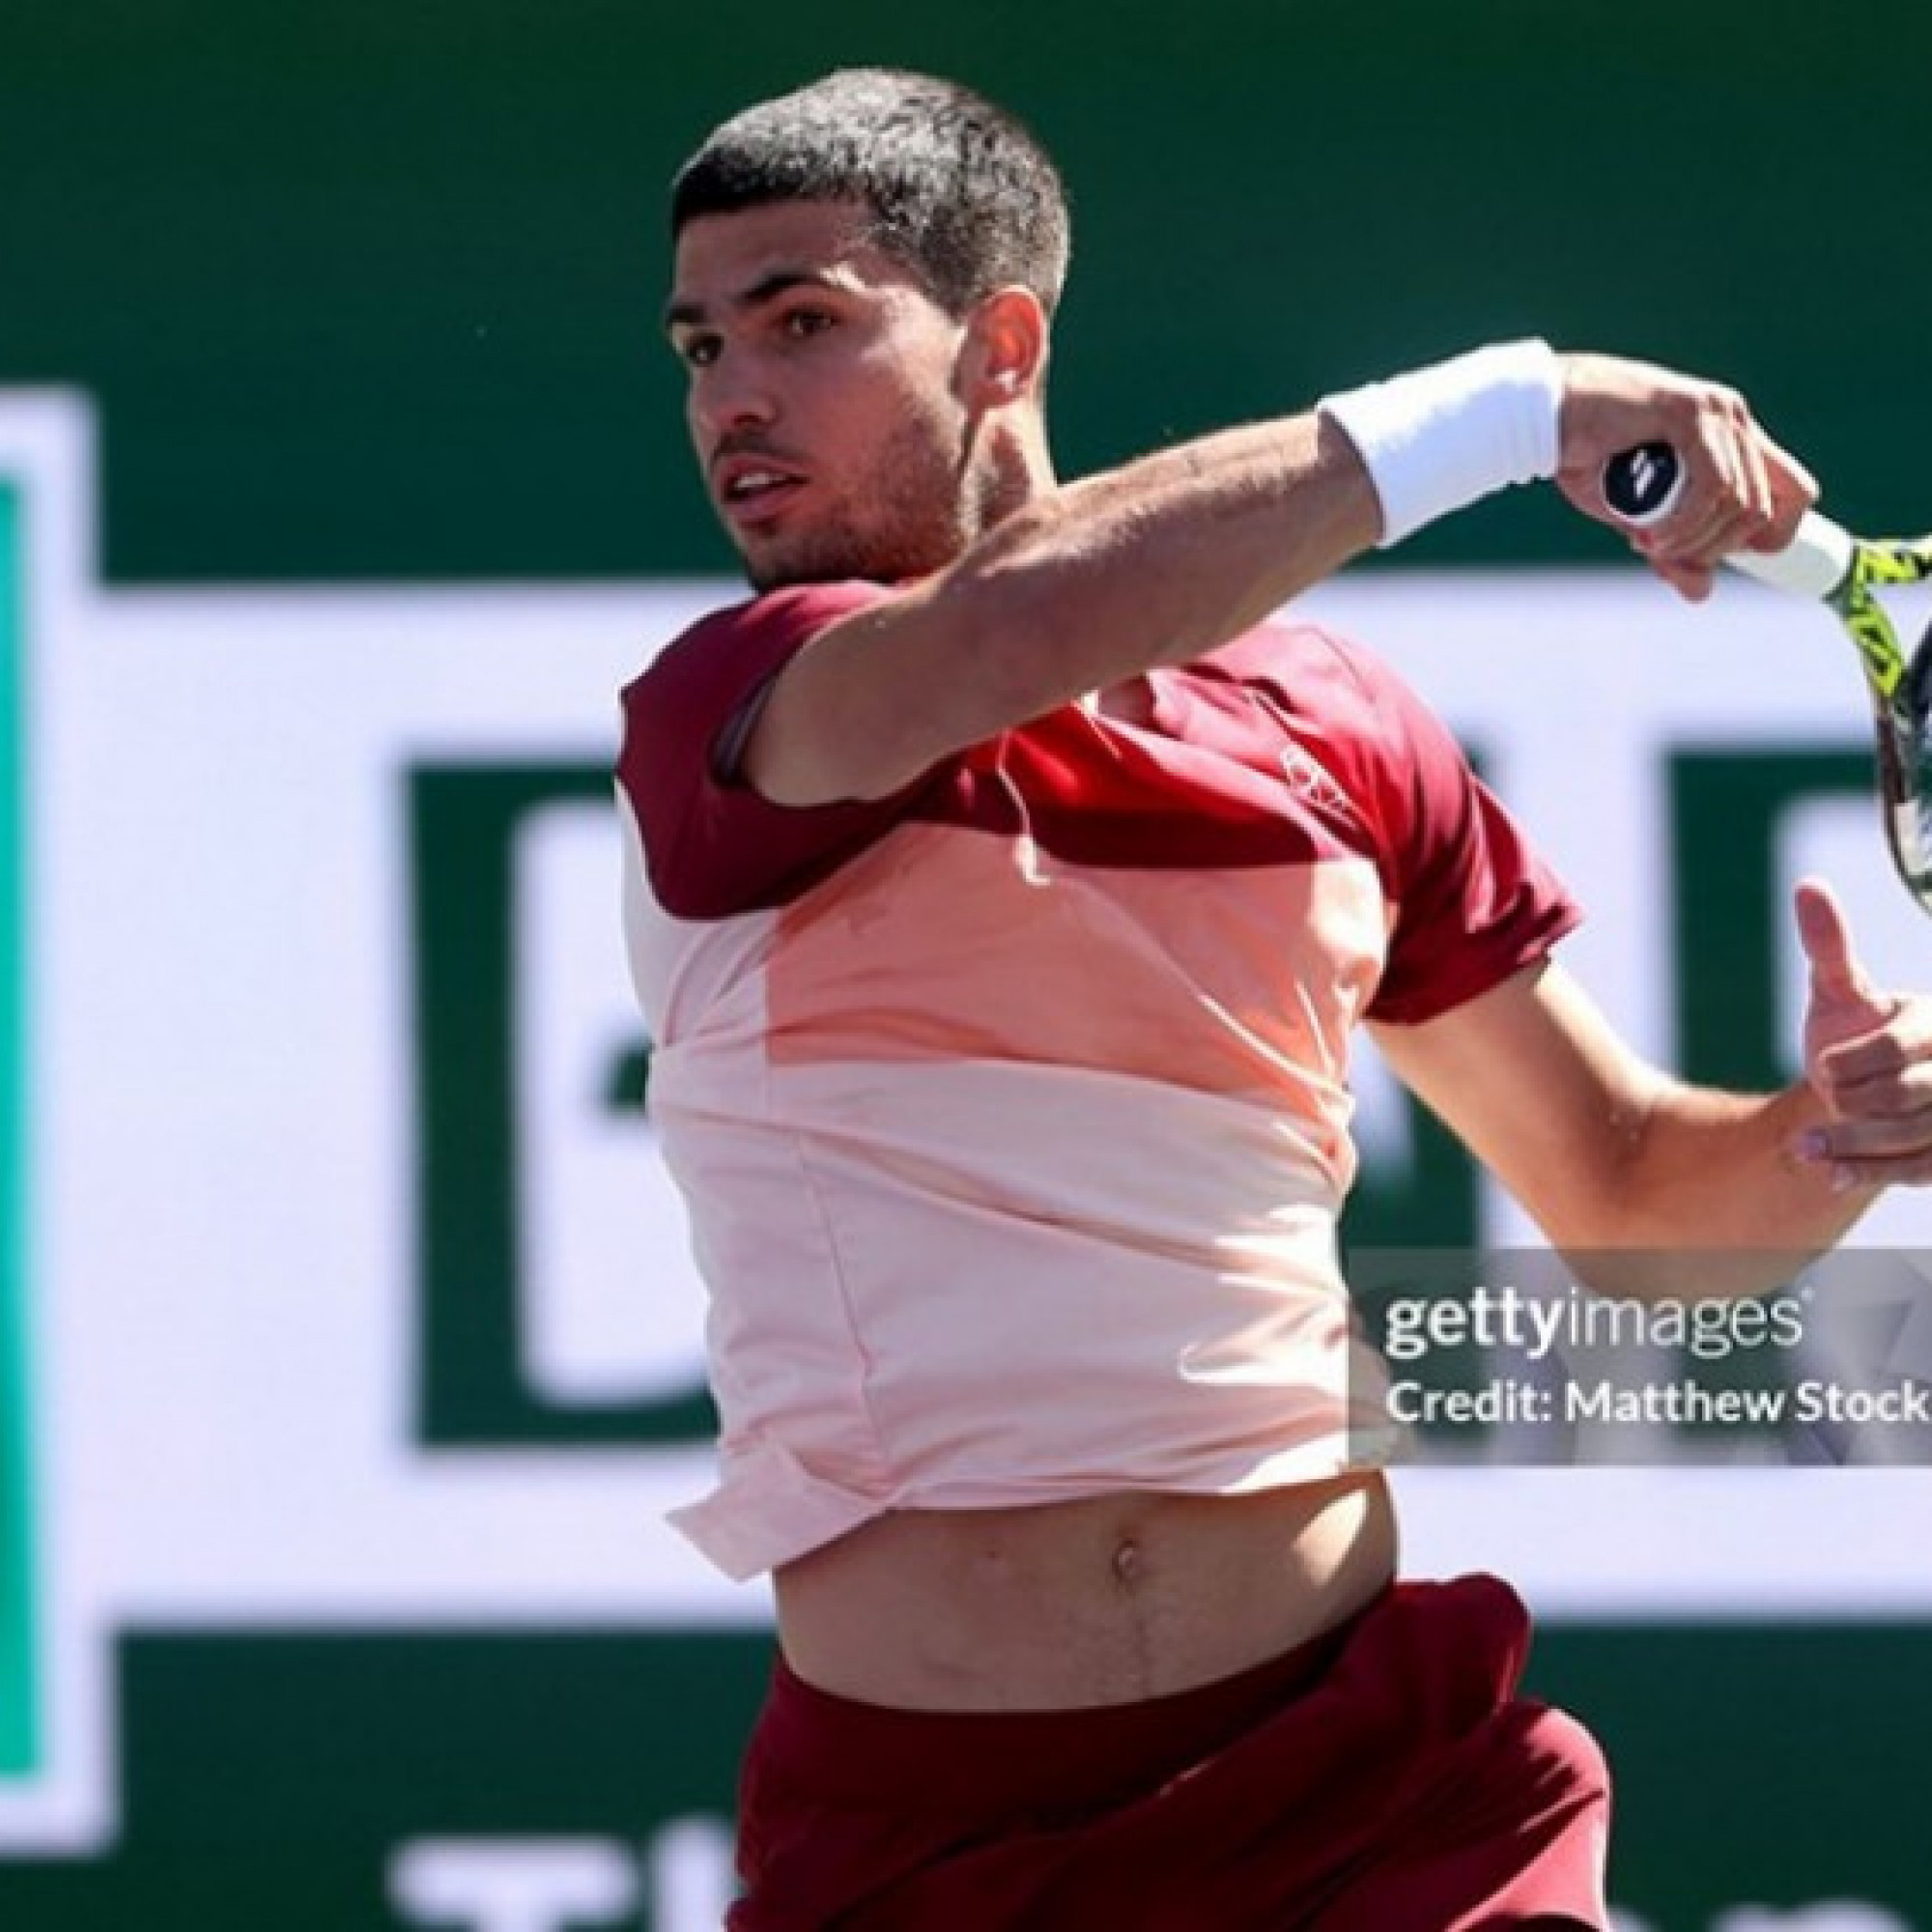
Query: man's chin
(774, 565)
(782, 576)
(777, 572)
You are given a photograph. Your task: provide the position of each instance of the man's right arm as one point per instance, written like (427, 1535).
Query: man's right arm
(1167, 558)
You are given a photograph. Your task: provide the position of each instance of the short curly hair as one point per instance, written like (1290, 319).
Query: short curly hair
(960, 190)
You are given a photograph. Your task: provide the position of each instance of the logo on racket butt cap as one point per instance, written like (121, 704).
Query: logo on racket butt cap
(1642, 485)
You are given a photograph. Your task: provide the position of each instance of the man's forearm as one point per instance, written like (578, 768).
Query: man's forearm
(1717, 1179)
(1091, 585)
(1163, 559)
(1166, 557)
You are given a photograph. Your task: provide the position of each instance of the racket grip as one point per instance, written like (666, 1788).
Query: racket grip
(1814, 563)
(1642, 486)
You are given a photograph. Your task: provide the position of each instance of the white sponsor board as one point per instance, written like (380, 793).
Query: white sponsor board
(221, 1307)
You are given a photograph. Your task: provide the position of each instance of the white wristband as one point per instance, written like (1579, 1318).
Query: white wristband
(1439, 438)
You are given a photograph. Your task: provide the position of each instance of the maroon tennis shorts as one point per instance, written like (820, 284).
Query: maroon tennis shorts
(1384, 1777)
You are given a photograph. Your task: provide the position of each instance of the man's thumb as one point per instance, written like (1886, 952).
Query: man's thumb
(1826, 934)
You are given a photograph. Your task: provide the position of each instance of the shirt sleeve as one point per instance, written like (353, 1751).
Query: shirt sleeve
(714, 846)
(1473, 900)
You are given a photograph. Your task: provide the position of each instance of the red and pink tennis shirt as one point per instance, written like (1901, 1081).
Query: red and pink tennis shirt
(1012, 1111)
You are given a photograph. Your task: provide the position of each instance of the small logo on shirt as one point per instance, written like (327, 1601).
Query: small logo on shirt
(1311, 781)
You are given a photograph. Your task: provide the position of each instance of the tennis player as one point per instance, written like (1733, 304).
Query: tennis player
(1004, 889)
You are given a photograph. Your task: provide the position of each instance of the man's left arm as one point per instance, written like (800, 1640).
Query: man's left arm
(1608, 1153)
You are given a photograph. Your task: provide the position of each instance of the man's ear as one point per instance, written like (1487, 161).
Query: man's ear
(1004, 351)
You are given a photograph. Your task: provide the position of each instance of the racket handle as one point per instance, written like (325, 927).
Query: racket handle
(1814, 563)
(1642, 486)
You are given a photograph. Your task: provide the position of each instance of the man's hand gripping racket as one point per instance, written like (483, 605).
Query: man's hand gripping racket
(1828, 563)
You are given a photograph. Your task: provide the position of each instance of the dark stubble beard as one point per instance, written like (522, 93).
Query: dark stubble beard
(918, 515)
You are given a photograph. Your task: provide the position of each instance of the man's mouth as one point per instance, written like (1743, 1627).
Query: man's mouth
(752, 492)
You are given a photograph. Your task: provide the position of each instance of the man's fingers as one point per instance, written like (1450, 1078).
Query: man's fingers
(1693, 581)
(1729, 505)
(1915, 1171)
(1865, 1139)
(1753, 453)
(1739, 490)
(1849, 1172)
(1793, 491)
(1880, 1133)
(1892, 1059)
(1902, 1096)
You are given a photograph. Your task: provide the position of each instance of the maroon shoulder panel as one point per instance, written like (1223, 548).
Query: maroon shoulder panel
(712, 844)
(1286, 747)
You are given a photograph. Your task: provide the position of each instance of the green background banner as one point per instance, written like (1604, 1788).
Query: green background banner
(370, 290)
(275, 1781)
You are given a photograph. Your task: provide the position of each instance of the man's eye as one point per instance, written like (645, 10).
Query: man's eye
(698, 351)
(803, 322)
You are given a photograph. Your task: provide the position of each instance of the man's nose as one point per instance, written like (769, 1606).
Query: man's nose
(735, 395)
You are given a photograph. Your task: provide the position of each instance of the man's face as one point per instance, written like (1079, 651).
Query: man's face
(822, 401)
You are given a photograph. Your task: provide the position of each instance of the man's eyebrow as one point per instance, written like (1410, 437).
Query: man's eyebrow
(766, 289)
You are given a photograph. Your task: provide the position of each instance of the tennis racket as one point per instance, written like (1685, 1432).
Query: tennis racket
(1827, 563)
